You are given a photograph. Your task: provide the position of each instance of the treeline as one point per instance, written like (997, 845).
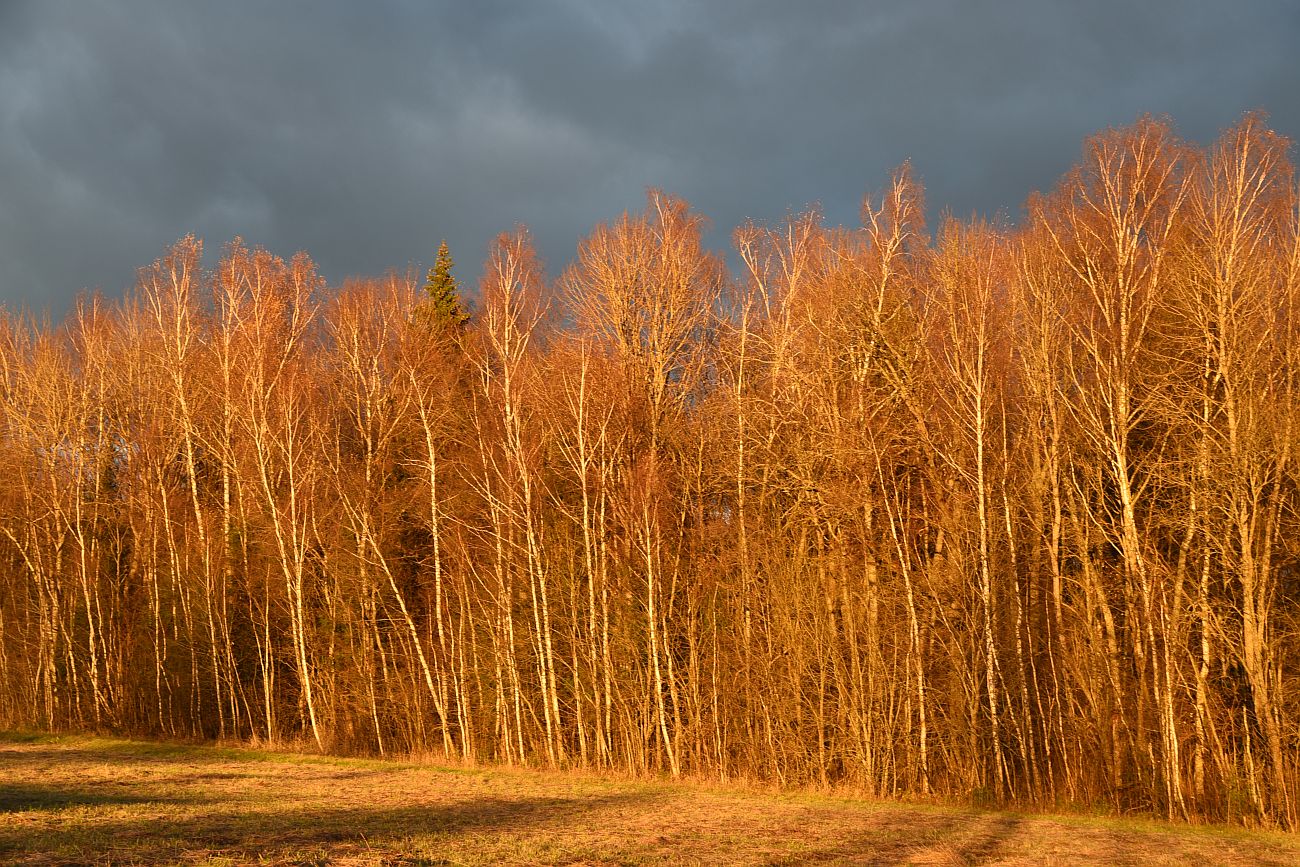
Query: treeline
(1006, 512)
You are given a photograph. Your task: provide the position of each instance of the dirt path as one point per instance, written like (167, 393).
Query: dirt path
(80, 800)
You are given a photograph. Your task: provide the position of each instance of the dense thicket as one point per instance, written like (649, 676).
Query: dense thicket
(1004, 513)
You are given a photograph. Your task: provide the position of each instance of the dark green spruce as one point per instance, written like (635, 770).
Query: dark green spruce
(442, 308)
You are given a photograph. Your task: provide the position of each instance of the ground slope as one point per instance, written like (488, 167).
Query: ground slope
(80, 800)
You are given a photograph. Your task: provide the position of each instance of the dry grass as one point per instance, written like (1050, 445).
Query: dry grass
(79, 800)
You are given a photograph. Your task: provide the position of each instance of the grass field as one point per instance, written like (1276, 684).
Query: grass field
(67, 800)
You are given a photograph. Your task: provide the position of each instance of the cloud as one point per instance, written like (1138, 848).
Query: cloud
(364, 133)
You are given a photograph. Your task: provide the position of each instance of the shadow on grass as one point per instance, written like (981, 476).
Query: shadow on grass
(46, 748)
(128, 753)
(21, 737)
(899, 836)
(248, 834)
(19, 797)
(988, 838)
(889, 837)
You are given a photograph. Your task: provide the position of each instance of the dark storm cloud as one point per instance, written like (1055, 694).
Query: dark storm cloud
(365, 132)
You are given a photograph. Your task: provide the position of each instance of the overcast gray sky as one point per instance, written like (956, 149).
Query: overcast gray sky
(363, 132)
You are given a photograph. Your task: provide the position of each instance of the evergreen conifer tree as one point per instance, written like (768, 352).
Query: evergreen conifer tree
(443, 306)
